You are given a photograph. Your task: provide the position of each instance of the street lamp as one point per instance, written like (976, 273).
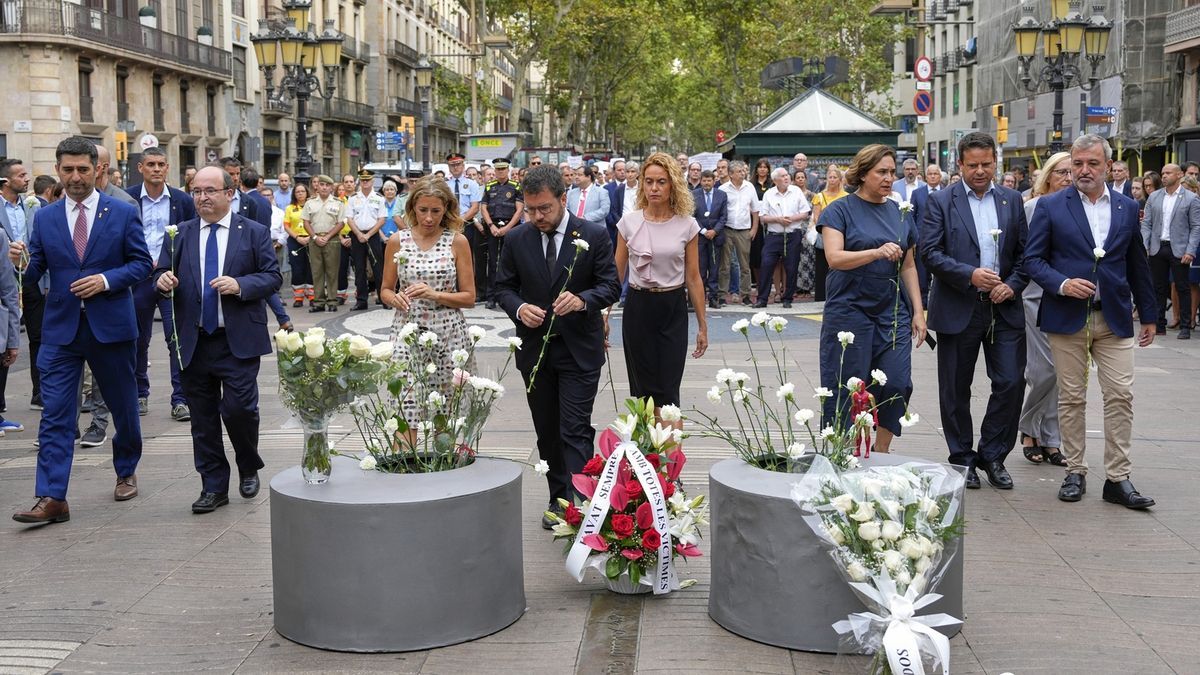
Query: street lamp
(424, 71)
(1065, 37)
(296, 44)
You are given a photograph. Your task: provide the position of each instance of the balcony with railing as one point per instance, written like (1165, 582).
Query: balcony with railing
(341, 110)
(85, 109)
(1183, 29)
(504, 103)
(353, 49)
(403, 53)
(526, 115)
(276, 108)
(77, 24)
(399, 105)
(452, 122)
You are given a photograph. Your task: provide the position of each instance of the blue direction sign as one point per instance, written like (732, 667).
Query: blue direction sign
(1099, 110)
(923, 103)
(390, 140)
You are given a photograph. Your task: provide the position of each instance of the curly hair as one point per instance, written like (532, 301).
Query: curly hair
(680, 199)
(865, 160)
(431, 186)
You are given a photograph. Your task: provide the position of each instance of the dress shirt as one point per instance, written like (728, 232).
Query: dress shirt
(466, 191)
(283, 198)
(1099, 216)
(1169, 200)
(90, 204)
(983, 212)
(707, 197)
(742, 202)
(581, 207)
(366, 210)
(235, 204)
(222, 241)
(631, 196)
(156, 214)
(278, 231)
(906, 188)
(788, 203)
(16, 217)
(1118, 187)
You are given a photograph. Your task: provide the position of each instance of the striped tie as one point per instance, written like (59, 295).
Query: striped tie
(80, 235)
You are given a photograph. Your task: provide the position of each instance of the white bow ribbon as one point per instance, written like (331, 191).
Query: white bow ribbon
(901, 627)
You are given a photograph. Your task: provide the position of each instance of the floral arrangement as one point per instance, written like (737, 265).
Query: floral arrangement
(891, 531)
(635, 518)
(580, 246)
(773, 435)
(320, 375)
(442, 428)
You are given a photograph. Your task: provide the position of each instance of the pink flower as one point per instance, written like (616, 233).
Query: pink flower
(645, 516)
(619, 497)
(596, 542)
(461, 377)
(688, 550)
(608, 442)
(676, 460)
(586, 485)
(632, 553)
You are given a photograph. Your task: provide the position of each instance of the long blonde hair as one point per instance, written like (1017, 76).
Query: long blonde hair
(432, 186)
(1043, 181)
(680, 200)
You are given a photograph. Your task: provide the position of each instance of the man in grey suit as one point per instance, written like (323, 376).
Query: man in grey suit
(595, 204)
(1171, 232)
(104, 179)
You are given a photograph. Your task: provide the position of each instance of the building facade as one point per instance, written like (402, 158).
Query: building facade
(1182, 44)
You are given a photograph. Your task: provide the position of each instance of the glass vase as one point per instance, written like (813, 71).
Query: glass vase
(315, 464)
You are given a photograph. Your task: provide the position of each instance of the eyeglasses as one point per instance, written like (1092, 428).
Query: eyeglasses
(207, 192)
(1061, 172)
(545, 209)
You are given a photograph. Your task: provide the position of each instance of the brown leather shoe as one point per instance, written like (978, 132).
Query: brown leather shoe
(126, 488)
(47, 510)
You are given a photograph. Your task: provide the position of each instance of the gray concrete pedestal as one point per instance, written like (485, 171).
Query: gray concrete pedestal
(772, 579)
(374, 562)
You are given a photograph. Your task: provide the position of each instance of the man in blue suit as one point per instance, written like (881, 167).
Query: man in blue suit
(225, 268)
(95, 251)
(711, 208)
(1086, 251)
(161, 205)
(918, 198)
(973, 241)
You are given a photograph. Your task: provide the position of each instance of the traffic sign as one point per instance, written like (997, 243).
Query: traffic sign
(922, 119)
(1101, 111)
(923, 102)
(148, 141)
(923, 69)
(212, 155)
(924, 86)
(720, 136)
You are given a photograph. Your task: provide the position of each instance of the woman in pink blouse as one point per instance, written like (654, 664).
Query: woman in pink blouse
(657, 245)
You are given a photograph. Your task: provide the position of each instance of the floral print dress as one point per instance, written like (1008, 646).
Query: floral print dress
(436, 268)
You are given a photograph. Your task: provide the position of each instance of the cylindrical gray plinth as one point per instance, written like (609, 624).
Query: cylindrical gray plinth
(375, 562)
(772, 579)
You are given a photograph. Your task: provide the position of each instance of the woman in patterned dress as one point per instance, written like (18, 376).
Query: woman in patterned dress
(430, 281)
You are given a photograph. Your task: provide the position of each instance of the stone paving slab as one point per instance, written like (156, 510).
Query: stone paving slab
(145, 586)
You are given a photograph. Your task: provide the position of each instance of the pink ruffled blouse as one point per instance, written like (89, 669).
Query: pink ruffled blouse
(656, 250)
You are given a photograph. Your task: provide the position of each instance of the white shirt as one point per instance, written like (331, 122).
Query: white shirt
(90, 204)
(1099, 215)
(789, 203)
(278, 233)
(366, 210)
(742, 202)
(1169, 201)
(631, 196)
(222, 241)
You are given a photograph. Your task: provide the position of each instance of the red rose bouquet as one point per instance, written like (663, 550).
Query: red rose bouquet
(635, 518)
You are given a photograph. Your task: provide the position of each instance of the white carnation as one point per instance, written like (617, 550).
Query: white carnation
(879, 376)
(670, 413)
(714, 395)
(777, 323)
(845, 337)
(476, 333)
(786, 392)
(459, 357)
(427, 339)
(741, 326)
(804, 416)
(759, 319)
(367, 463)
(514, 343)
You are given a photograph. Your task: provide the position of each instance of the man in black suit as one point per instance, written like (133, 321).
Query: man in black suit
(711, 209)
(532, 286)
(225, 268)
(973, 242)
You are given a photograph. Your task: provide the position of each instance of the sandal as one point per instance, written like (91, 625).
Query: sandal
(1054, 456)
(1031, 451)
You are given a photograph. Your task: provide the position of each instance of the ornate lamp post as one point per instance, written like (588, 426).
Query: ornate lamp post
(297, 45)
(424, 83)
(1065, 38)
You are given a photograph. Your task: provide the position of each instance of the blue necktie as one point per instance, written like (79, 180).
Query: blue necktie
(209, 303)
(707, 202)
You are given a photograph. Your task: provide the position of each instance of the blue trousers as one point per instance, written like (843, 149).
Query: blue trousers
(146, 299)
(711, 251)
(872, 349)
(61, 367)
(775, 250)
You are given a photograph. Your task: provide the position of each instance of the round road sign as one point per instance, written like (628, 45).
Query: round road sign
(923, 103)
(923, 69)
(148, 141)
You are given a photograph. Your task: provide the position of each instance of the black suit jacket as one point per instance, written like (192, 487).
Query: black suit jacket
(523, 278)
(950, 247)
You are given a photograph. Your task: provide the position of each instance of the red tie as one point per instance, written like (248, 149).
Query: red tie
(582, 201)
(80, 235)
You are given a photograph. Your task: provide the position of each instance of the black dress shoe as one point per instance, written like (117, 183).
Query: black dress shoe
(358, 307)
(1184, 334)
(1160, 329)
(760, 305)
(248, 487)
(314, 310)
(972, 479)
(492, 305)
(997, 475)
(787, 304)
(209, 501)
(1073, 487)
(548, 523)
(713, 304)
(1122, 492)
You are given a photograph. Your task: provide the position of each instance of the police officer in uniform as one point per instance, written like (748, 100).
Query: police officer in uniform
(502, 206)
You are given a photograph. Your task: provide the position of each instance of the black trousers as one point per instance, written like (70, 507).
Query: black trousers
(820, 274)
(364, 255)
(480, 243)
(561, 403)
(221, 387)
(1166, 269)
(343, 269)
(1004, 355)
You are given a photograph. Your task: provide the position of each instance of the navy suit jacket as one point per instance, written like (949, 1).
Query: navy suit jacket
(717, 215)
(523, 278)
(1126, 189)
(918, 199)
(250, 259)
(1061, 247)
(612, 187)
(182, 206)
(950, 248)
(116, 248)
(262, 208)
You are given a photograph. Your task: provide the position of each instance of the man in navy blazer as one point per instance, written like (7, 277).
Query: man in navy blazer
(932, 185)
(160, 205)
(711, 211)
(1086, 251)
(94, 249)
(224, 269)
(531, 286)
(973, 242)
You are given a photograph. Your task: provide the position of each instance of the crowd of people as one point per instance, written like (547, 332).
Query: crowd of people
(1044, 276)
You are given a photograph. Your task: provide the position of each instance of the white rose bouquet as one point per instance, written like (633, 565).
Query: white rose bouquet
(891, 531)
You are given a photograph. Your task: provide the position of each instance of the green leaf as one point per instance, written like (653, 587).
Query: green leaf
(612, 568)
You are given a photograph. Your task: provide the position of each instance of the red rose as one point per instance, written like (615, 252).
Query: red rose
(573, 516)
(651, 540)
(622, 525)
(634, 488)
(668, 490)
(594, 466)
(654, 460)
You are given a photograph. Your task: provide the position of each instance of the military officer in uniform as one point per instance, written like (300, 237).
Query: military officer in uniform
(502, 206)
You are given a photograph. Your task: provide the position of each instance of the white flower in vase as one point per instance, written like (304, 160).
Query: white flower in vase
(795, 451)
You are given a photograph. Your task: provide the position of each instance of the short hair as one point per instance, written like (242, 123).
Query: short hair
(43, 183)
(707, 174)
(249, 178)
(679, 198)
(632, 166)
(780, 171)
(1018, 169)
(1089, 141)
(615, 163)
(736, 165)
(694, 164)
(541, 178)
(1188, 165)
(154, 152)
(865, 160)
(7, 165)
(1121, 164)
(389, 184)
(296, 194)
(976, 140)
(909, 162)
(76, 145)
(226, 162)
(430, 186)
